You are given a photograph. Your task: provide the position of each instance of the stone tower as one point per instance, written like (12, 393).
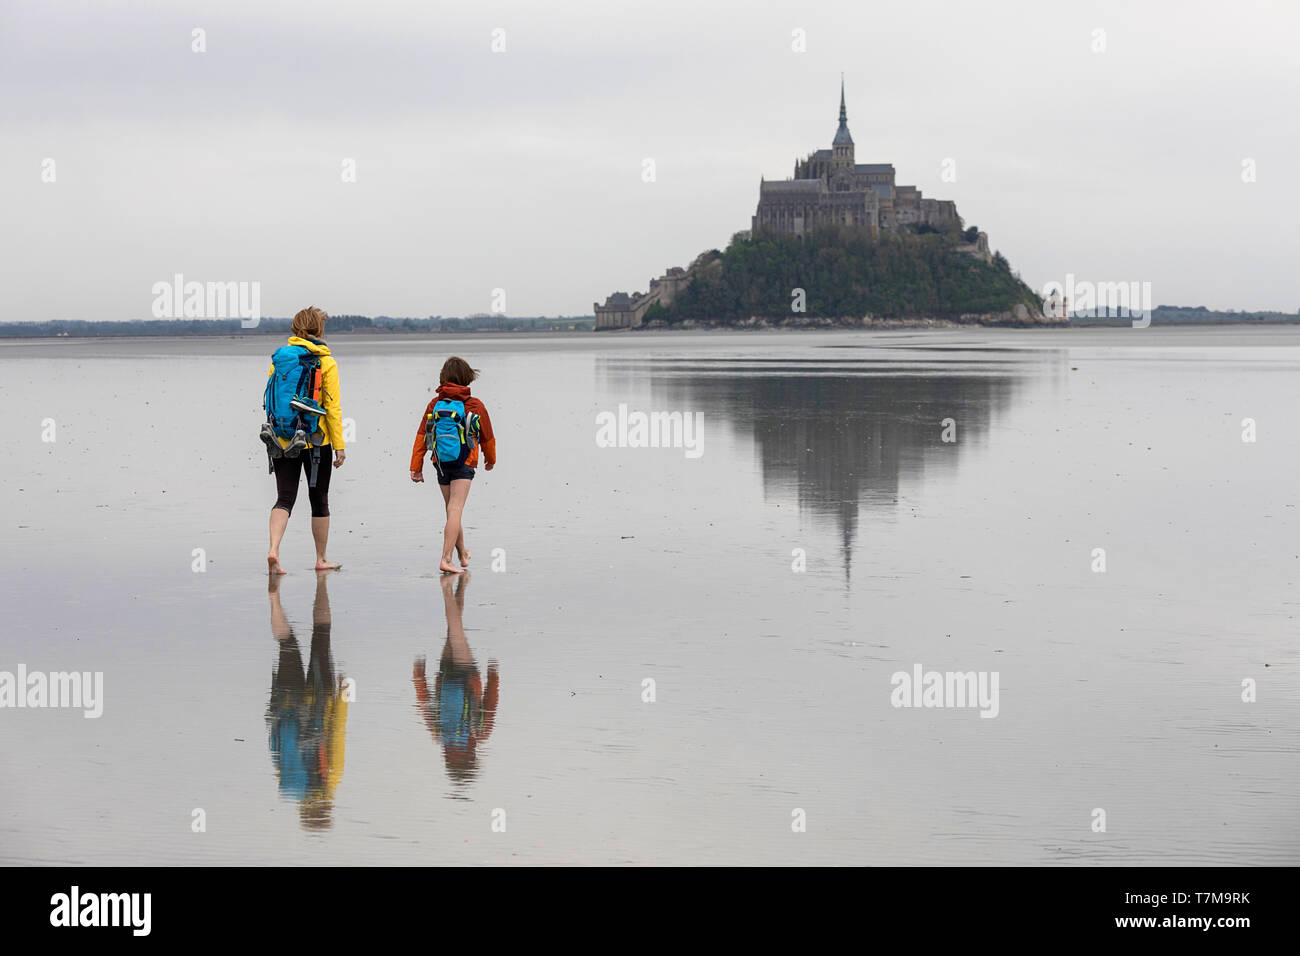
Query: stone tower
(842, 145)
(830, 188)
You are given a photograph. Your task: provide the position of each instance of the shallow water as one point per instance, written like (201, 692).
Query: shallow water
(1119, 691)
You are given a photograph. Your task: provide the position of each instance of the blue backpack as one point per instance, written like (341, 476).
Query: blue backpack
(450, 432)
(292, 397)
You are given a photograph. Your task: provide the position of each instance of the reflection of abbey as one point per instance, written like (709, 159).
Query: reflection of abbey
(830, 188)
(854, 449)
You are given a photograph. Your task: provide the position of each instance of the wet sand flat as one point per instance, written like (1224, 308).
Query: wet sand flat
(660, 656)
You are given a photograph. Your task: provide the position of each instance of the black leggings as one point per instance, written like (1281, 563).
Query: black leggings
(287, 472)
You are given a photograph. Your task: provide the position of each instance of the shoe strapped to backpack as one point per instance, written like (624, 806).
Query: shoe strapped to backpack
(267, 435)
(296, 444)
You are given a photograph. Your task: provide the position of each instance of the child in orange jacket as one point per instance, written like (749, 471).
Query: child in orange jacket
(454, 479)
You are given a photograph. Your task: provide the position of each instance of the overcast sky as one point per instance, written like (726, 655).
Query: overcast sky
(522, 170)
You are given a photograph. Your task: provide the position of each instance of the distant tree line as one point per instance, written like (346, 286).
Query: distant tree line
(280, 326)
(1187, 315)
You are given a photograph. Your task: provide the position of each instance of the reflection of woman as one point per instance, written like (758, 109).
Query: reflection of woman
(307, 716)
(459, 713)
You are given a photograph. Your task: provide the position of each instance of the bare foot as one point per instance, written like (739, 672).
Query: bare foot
(446, 567)
(273, 564)
(323, 565)
(464, 557)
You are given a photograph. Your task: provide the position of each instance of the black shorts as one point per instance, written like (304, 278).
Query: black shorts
(288, 472)
(447, 473)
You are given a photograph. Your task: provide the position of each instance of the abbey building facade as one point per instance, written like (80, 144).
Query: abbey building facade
(830, 187)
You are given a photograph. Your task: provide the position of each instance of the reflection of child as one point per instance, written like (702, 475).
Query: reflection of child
(460, 712)
(307, 717)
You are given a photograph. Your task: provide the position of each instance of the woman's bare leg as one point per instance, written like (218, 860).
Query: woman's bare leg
(320, 608)
(280, 629)
(320, 533)
(279, 521)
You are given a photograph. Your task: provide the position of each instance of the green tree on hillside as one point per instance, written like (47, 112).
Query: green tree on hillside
(846, 273)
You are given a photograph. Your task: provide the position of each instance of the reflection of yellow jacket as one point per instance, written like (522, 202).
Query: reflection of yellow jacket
(330, 425)
(336, 729)
(328, 755)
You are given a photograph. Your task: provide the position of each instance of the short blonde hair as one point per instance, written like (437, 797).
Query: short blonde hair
(309, 323)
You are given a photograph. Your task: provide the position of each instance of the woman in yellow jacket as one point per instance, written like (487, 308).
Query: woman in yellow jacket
(306, 332)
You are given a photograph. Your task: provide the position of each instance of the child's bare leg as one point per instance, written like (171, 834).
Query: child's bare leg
(461, 583)
(461, 550)
(460, 541)
(454, 604)
(455, 495)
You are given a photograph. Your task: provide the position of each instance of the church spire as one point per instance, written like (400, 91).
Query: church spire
(842, 137)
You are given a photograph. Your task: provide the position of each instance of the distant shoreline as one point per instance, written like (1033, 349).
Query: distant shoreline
(1162, 317)
(902, 326)
(846, 325)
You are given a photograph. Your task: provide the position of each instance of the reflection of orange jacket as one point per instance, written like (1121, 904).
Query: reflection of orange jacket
(457, 393)
(487, 700)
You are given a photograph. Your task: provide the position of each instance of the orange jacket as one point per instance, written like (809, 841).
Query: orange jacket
(487, 440)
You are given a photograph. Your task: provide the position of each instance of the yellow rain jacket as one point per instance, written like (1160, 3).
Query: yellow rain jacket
(329, 427)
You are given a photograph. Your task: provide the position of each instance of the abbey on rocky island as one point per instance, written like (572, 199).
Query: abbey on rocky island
(829, 188)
